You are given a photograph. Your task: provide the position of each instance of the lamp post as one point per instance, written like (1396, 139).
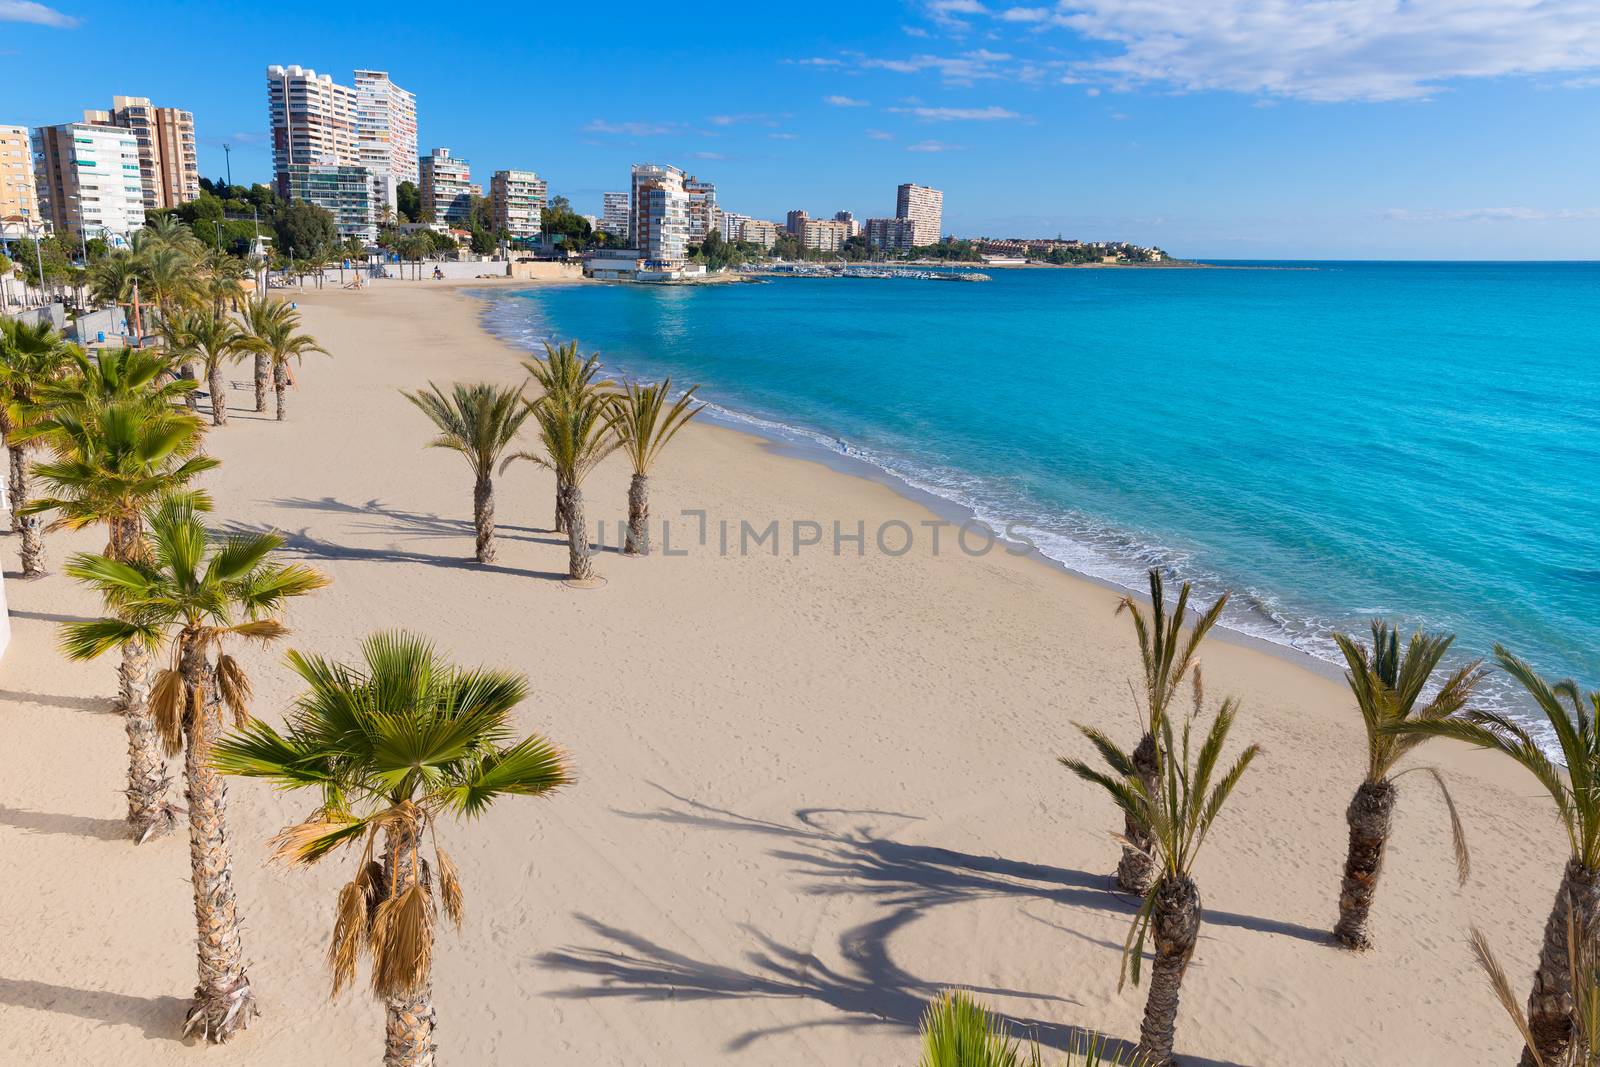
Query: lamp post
(227, 152)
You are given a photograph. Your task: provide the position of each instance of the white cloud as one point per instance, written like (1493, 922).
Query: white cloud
(844, 101)
(958, 114)
(707, 155)
(1025, 14)
(932, 146)
(963, 69)
(1491, 214)
(1331, 50)
(818, 61)
(880, 135)
(38, 14)
(632, 129)
(784, 136)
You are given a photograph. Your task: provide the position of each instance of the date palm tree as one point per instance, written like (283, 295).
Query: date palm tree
(576, 434)
(222, 281)
(1574, 719)
(564, 377)
(1175, 818)
(214, 341)
(196, 592)
(113, 460)
(31, 356)
(272, 333)
(168, 276)
(644, 424)
(480, 422)
(1388, 688)
(1167, 658)
(392, 746)
(114, 280)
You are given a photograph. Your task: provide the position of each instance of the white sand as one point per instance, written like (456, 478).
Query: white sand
(813, 790)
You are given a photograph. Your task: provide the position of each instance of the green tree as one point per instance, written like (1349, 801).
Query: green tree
(644, 423)
(272, 332)
(576, 434)
(302, 227)
(480, 422)
(408, 202)
(196, 592)
(213, 340)
(391, 746)
(31, 356)
(564, 377)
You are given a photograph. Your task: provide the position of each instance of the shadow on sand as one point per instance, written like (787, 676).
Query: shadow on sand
(905, 880)
(161, 1018)
(49, 822)
(101, 705)
(420, 524)
(304, 544)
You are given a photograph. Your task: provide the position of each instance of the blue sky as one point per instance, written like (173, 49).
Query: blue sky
(1215, 128)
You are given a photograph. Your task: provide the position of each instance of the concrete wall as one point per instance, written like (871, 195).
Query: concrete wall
(89, 326)
(546, 270)
(55, 314)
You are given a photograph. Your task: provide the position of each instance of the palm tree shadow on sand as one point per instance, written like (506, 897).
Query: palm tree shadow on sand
(382, 518)
(160, 1018)
(906, 880)
(306, 545)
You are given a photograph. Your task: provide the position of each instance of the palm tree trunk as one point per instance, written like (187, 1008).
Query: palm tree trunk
(1174, 927)
(1550, 1003)
(219, 400)
(1136, 870)
(1369, 815)
(263, 369)
(483, 518)
(32, 551)
(409, 1017)
(580, 566)
(223, 1000)
(279, 388)
(637, 542)
(561, 505)
(16, 474)
(150, 814)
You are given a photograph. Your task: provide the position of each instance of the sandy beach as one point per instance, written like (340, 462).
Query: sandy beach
(814, 788)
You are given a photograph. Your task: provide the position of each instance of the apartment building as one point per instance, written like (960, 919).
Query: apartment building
(313, 121)
(891, 235)
(345, 192)
(386, 133)
(518, 199)
(169, 169)
(659, 216)
(88, 180)
(824, 235)
(849, 220)
(446, 186)
(702, 207)
(795, 225)
(729, 223)
(925, 208)
(760, 232)
(614, 215)
(19, 200)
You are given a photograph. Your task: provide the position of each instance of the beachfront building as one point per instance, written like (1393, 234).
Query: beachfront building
(850, 221)
(614, 215)
(925, 208)
(386, 133)
(88, 180)
(313, 121)
(169, 169)
(19, 200)
(891, 235)
(729, 223)
(760, 232)
(517, 198)
(702, 207)
(446, 186)
(824, 235)
(658, 221)
(795, 225)
(346, 193)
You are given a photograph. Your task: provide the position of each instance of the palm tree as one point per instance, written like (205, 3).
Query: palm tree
(576, 433)
(1167, 658)
(1577, 799)
(391, 746)
(223, 281)
(1175, 818)
(1388, 688)
(112, 374)
(215, 341)
(644, 424)
(958, 1031)
(480, 422)
(167, 273)
(565, 378)
(196, 591)
(115, 281)
(270, 332)
(114, 459)
(30, 357)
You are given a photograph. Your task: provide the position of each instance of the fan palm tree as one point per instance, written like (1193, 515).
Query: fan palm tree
(576, 433)
(1388, 689)
(564, 377)
(480, 422)
(31, 356)
(214, 341)
(1575, 720)
(644, 424)
(222, 280)
(196, 591)
(1175, 818)
(114, 280)
(392, 746)
(167, 274)
(112, 374)
(958, 1031)
(1167, 657)
(115, 459)
(271, 333)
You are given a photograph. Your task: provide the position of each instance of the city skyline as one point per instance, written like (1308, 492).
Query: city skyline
(1034, 120)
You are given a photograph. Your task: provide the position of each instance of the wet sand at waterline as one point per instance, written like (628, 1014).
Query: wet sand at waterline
(813, 789)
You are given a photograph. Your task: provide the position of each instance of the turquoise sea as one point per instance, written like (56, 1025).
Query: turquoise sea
(1329, 441)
